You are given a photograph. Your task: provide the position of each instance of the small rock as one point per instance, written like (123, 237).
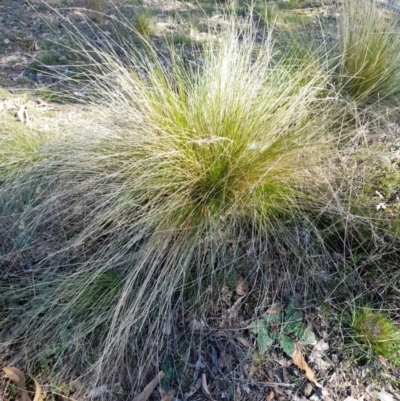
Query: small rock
(7, 41)
(285, 362)
(196, 325)
(321, 346)
(308, 389)
(383, 395)
(98, 391)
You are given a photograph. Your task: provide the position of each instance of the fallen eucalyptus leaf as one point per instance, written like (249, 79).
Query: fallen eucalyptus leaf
(38, 391)
(300, 362)
(204, 384)
(241, 288)
(146, 393)
(243, 341)
(224, 360)
(15, 375)
(276, 308)
(18, 377)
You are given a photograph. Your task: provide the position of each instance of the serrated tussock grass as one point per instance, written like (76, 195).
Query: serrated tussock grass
(369, 62)
(181, 166)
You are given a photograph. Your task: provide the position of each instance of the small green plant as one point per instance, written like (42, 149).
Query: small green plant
(17, 17)
(282, 19)
(180, 38)
(144, 23)
(288, 4)
(44, 60)
(19, 144)
(284, 325)
(376, 332)
(269, 13)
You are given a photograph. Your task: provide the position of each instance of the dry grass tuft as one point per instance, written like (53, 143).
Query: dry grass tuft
(369, 65)
(184, 174)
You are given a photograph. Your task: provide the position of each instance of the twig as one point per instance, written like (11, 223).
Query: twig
(273, 384)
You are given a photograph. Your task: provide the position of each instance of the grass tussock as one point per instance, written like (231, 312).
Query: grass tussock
(369, 64)
(20, 144)
(139, 214)
(144, 23)
(376, 332)
(192, 161)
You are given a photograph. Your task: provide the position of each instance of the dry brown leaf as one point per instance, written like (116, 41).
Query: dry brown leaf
(270, 396)
(276, 309)
(243, 341)
(168, 396)
(224, 360)
(241, 288)
(300, 362)
(204, 386)
(221, 334)
(146, 393)
(18, 377)
(15, 375)
(38, 391)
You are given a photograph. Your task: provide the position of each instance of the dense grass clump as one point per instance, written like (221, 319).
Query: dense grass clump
(180, 166)
(375, 332)
(144, 23)
(369, 64)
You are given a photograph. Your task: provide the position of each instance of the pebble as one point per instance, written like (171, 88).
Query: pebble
(308, 389)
